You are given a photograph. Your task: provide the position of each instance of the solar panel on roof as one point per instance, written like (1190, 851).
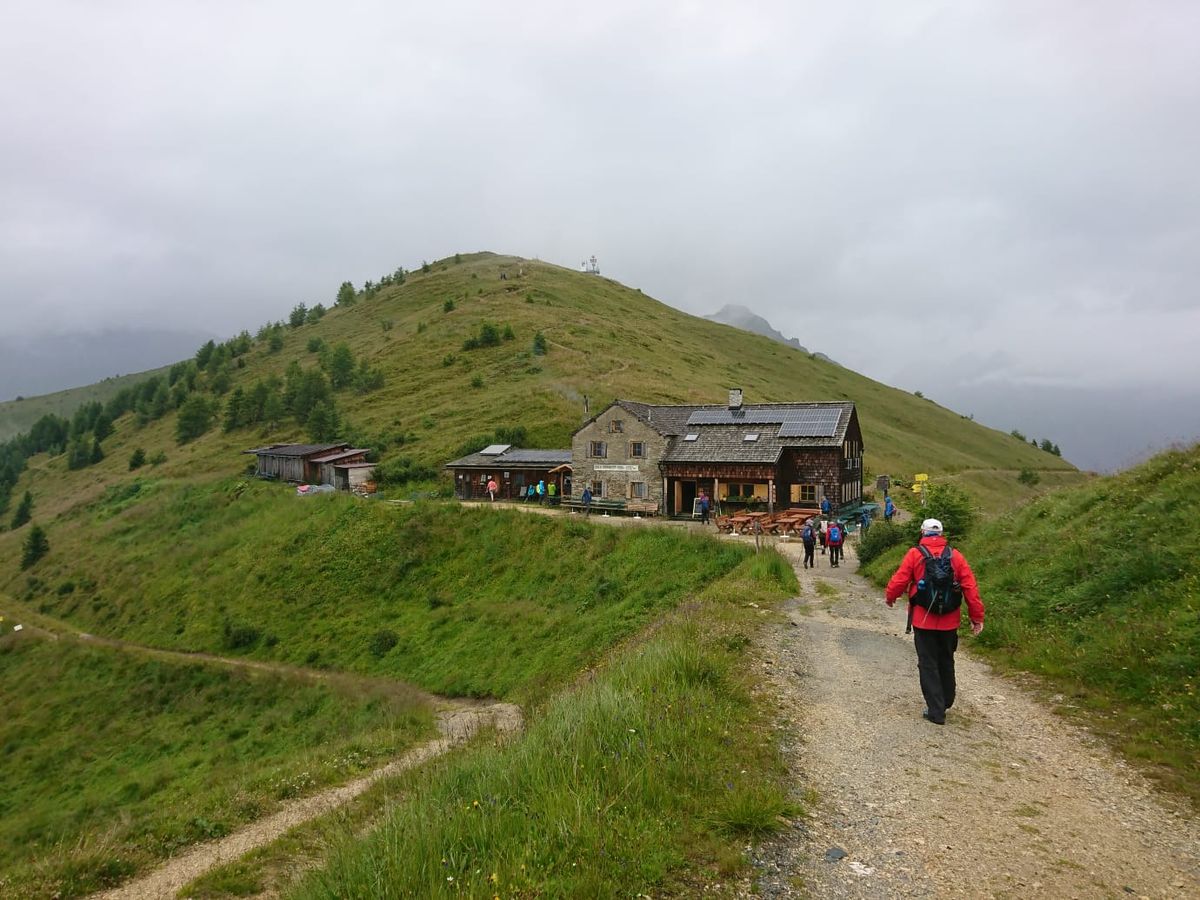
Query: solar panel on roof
(494, 449)
(736, 417)
(810, 423)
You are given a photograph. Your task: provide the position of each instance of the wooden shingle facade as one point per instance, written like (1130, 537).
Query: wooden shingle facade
(775, 455)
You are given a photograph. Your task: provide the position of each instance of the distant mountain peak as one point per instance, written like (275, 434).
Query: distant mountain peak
(746, 319)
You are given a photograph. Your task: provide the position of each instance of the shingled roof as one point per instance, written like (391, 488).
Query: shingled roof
(729, 442)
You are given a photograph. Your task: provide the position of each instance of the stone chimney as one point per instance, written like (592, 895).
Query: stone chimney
(735, 398)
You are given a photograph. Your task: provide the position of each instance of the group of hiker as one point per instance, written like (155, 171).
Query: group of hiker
(540, 492)
(830, 534)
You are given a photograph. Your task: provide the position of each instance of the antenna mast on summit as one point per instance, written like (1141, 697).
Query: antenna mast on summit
(591, 267)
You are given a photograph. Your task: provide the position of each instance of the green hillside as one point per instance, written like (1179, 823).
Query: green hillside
(17, 416)
(155, 533)
(116, 760)
(1097, 588)
(602, 340)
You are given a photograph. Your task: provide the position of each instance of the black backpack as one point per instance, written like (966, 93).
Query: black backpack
(939, 591)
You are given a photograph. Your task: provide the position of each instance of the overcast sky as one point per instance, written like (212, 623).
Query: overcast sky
(967, 198)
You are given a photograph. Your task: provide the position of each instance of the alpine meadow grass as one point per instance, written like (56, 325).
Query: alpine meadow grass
(649, 776)
(114, 760)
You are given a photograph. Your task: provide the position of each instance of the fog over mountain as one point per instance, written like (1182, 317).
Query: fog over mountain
(44, 363)
(974, 200)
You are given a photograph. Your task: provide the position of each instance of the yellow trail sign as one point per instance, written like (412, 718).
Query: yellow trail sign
(917, 488)
(921, 477)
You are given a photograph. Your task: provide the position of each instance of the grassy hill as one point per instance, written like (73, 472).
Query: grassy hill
(17, 416)
(187, 552)
(603, 341)
(1097, 589)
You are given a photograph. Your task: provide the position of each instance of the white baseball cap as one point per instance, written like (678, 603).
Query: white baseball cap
(931, 526)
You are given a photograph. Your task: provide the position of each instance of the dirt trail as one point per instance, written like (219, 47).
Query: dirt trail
(456, 725)
(457, 721)
(1005, 800)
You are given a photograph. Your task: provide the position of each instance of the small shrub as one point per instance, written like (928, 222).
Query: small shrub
(158, 458)
(383, 641)
(1029, 477)
(239, 637)
(315, 345)
(539, 344)
(448, 360)
(138, 459)
(403, 470)
(448, 306)
(477, 380)
(882, 536)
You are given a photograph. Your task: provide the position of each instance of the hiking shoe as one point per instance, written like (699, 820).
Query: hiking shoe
(928, 718)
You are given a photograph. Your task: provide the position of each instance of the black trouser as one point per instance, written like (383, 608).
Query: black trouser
(809, 547)
(835, 554)
(935, 664)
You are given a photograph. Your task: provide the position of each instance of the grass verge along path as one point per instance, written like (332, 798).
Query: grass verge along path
(648, 775)
(115, 760)
(456, 726)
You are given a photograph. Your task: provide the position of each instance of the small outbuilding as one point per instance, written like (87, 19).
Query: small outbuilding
(514, 470)
(340, 465)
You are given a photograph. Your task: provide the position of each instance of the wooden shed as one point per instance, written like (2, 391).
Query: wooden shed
(314, 464)
(331, 462)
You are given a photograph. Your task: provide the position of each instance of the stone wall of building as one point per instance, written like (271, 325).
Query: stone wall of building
(618, 469)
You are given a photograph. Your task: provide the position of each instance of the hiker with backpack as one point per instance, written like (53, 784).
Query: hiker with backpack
(936, 579)
(836, 537)
(808, 535)
(822, 536)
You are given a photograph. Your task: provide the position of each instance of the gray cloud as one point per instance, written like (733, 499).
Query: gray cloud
(1011, 181)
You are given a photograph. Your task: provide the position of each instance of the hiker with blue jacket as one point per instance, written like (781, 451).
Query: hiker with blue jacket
(808, 535)
(936, 579)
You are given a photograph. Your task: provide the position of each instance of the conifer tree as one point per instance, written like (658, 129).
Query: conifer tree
(195, 417)
(23, 512)
(36, 546)
(323, 422)
(235, 411)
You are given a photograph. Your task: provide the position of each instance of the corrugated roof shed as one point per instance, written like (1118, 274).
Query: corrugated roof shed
(514, 458)
(340, 454)
(295, 450)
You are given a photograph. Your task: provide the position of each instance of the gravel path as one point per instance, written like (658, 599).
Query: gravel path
(1005, 800)
(456, 725)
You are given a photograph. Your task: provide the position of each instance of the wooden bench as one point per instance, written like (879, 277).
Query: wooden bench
(620, 507)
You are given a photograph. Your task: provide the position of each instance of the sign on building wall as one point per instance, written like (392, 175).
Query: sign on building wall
(616, 468)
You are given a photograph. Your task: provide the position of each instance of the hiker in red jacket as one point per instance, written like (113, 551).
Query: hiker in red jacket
(935, 632)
